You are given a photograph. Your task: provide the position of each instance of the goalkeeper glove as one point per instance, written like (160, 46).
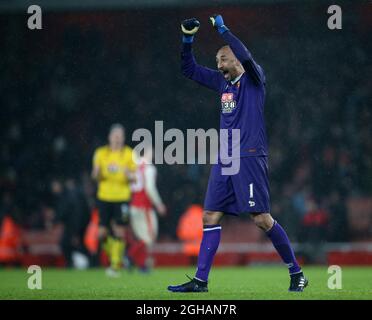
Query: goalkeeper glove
(218, 23)
(189, 27)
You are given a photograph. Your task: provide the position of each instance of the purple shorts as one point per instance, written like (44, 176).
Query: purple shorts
(247, 191)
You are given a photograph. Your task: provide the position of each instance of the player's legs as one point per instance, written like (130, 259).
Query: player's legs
(279, 238)
(120, 213)
(218, 200)
(210, 242)
(145, 228)
(143, 225)
(104, 220)
(152, 231)
(117, 247)
(102, 232)
(253, 194)
(154, 235)
(104, 229)
(251, 187)
(153, 218)
(283, 246)
(208, 249)
(263, 220)
(104, 239)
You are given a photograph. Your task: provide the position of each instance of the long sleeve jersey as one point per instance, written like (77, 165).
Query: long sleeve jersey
(242, 100)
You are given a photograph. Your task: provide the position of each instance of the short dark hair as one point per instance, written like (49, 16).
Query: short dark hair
(117, 126)
(225, 46)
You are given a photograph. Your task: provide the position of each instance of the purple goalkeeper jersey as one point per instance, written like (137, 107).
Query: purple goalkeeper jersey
(242, 100)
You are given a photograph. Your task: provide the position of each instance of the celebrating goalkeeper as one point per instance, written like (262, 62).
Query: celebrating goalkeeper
(240, 82)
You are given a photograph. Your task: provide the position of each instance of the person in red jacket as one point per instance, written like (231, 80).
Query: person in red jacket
(190, 231)
(10, 241)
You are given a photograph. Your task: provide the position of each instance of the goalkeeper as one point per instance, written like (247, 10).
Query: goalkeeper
(240, 82)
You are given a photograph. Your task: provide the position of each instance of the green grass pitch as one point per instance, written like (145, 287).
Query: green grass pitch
(242, 283)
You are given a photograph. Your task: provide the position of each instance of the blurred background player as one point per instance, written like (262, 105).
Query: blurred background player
(143, 218)
(113, 169)
(72, 212)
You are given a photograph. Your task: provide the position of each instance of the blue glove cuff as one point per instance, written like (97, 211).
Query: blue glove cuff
(222, 29)
(187, 39)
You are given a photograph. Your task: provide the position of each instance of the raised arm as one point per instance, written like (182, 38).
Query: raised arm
(240, 50)
(207, 77)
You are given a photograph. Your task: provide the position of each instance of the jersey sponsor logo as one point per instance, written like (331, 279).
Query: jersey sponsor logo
(228, 103)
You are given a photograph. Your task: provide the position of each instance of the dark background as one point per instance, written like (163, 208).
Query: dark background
(63, 86)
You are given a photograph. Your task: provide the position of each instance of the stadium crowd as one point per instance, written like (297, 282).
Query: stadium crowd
(62, 89)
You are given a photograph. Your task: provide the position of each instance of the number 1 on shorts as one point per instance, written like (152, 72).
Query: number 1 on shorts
(251, 190)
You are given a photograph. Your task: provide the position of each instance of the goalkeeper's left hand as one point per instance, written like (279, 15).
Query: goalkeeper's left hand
(218, 23)
(189, 28)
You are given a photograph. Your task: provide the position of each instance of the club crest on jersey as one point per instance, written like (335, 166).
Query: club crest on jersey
(113, 168)
(228, 103)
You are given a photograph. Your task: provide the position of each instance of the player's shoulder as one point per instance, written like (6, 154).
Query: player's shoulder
(127, 150)
(129, 154)
(261, 74)
(101, 149)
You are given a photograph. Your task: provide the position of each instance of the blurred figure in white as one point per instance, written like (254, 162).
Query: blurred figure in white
(143, 218)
